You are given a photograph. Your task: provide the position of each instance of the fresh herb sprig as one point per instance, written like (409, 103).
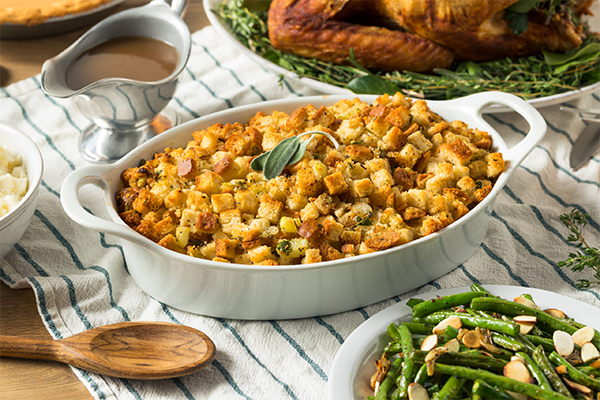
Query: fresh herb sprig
(587, 257)
(528, 77)
(287, 152)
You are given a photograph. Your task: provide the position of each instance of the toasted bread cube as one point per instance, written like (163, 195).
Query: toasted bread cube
(306, 182)
(310, 211)
(408, 155)
(171, 243)
(297, 119)
(176, 199)
(222, 202)
(378, 126)
(206, 141)
(467, 185)
(312, 256)
(335, 184)
(270, 209)
(351, 236)
(237, 144)
(296, 202)
(350, 130)
(207, 222)
(478, 169)
(209, 182)
(358, 153)
(495, 165)
(457, 152)
(332, 229)
(246, 201)
(260, 253)
(361, 187)
(399, 116)
(323, 117)
(418, 140)
(226, 248)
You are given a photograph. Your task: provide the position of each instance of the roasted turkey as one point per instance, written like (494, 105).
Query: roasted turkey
(417, 35)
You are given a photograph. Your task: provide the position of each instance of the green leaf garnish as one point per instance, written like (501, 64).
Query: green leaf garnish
(372, 84)
(564, 61)
(287, 152)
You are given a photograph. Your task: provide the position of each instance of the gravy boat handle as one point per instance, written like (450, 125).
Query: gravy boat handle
(69, 197)
(179, 7)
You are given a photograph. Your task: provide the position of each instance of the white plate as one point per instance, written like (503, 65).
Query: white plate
(354, 364)
(55, 26)
(223, 29)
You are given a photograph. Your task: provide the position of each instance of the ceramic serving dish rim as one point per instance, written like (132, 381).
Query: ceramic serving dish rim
(31, 157)
(108, 176)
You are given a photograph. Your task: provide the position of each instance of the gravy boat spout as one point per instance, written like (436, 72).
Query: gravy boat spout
(122, 110)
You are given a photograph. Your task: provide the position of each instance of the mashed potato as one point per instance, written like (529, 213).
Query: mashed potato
(13, 180)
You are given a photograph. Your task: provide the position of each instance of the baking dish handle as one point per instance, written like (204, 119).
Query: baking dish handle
(537, 124)
(69, 197)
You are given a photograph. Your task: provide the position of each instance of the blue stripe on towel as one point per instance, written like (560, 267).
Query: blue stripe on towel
(186, 392)
(227, 101)
(37, 267)
(468, 275)
(38, 130)
(500, 261)
(64, 110)
(299, 349)
(263, 98)
(331, 330)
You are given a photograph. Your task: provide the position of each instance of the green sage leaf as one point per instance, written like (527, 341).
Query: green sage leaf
(372, 84)
(258, 163)
(584, 54)
(280, 156)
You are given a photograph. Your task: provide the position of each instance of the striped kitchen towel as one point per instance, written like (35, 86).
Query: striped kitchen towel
(80, 279)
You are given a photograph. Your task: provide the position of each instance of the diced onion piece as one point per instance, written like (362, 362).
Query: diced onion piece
(563, 343)
(583, 335)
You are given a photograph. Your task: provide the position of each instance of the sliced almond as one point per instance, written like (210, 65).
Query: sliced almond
(517, 370)
(440, 328)
(453, 346)
(563, 343)
(518, 358)
(583, 335)
(429, 342)
(472, 339)
(561, 369)
(432, 356)
(417, 392)
(526, 302)
(525, 328)
(589, 352)
(578, 387)
(555, 313)
(518, 396)
(526, 319)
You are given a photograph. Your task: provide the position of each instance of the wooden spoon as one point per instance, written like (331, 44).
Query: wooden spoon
(134, 350)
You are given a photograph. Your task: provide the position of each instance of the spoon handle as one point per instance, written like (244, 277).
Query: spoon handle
(22, 347)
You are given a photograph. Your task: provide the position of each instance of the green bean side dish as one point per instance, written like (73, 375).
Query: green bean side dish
(475, 345)
(531, 77)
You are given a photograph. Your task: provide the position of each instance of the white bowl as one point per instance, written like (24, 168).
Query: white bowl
(295, 291)
(14, 224)
(354, 363)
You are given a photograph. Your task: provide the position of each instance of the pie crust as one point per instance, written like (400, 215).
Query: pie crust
(34, 12)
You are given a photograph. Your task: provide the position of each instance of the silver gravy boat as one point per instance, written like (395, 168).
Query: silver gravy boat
(122, 111)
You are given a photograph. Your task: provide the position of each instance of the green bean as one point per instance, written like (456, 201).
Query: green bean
(388, 381)
(413, 302)
(392, 332)
(475, 359)
(487, 391)
(547, 344)
(508, 342)
(499, 381)
(410, 368)
(392, 348)
(586, 369)
(508, 327)
(542, 361)
(421, 376)
(418, 328)
(530, 347)
(574, 373)
(528, 297)
(450, 389)
(441, 303)
(536, 371)
(544, 320)
(476, 287)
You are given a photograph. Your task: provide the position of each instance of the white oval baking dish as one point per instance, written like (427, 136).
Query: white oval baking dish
(283, 292)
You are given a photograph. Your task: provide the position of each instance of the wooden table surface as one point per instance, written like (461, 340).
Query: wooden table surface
(34, 379)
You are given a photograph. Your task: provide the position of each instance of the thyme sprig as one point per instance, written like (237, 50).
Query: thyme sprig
(528, 77)
(587, 257)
